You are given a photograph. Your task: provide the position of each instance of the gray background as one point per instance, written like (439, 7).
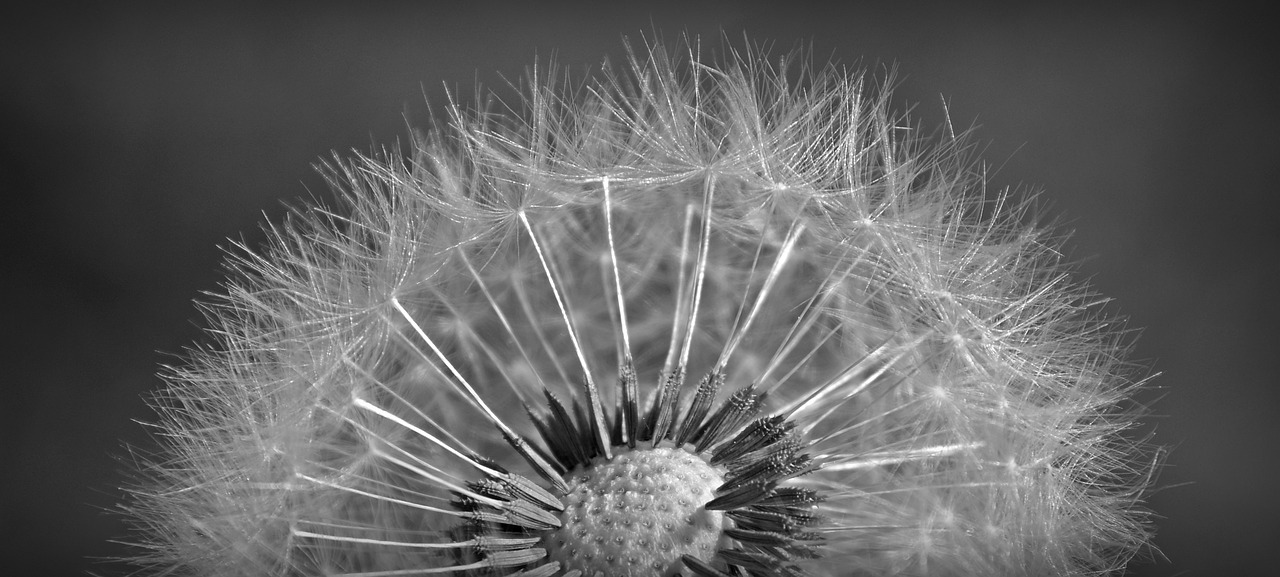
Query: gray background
(137, 140)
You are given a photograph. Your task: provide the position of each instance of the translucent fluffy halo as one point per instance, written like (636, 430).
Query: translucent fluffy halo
(751, 264)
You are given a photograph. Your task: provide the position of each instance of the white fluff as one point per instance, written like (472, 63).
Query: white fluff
(959, 390)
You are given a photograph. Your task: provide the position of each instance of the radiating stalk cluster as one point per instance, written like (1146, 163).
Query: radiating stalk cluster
(478, 365)
(680, 434)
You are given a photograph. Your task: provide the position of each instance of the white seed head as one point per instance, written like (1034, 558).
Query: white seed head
(500, 354)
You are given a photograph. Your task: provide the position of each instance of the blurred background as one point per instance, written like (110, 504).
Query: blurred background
(137, 140)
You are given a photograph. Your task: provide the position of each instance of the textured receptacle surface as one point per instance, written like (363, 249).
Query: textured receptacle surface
(638, 513)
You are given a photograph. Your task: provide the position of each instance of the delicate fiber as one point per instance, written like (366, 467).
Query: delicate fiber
(960, 399)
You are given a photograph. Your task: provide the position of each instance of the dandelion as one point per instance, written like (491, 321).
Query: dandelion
(687, 318)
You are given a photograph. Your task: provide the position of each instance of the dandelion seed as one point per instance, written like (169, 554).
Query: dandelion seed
(693, 319)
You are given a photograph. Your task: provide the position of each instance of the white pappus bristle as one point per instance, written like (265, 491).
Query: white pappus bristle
(877, 367)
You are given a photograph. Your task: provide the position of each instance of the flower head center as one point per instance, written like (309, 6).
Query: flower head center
(637, 514)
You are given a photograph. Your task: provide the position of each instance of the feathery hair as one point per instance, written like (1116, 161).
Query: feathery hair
(744, 272)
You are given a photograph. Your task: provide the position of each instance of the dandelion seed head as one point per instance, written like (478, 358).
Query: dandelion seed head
(692, 316)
